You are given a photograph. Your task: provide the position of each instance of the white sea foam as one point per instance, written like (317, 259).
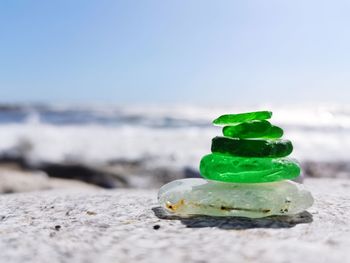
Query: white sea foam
(321, 133)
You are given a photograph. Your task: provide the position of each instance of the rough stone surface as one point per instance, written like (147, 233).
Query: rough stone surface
(120, 226)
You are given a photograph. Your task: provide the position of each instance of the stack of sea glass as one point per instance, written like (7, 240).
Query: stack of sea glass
(247, 174)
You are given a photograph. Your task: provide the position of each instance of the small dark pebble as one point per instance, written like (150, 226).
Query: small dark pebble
(156, 227)
(91, 213)
(57, 228)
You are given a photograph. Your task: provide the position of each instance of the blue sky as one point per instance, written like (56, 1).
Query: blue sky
(196, 51)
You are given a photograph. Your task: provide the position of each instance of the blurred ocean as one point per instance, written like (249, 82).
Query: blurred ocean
(173, 135)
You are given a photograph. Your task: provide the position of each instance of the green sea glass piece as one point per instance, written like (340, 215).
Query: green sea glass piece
(251, 147)
(196, 196)
(228, 119)
(273, 133)
(227, 168)
(253, 129)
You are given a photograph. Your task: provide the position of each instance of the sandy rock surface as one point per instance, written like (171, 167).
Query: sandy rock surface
(126, 226)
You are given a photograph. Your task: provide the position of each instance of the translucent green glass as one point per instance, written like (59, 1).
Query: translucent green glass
(253, 129)
(242, 117)
(251, 147)
(227, 168)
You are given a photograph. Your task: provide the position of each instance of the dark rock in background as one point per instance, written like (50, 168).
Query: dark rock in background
(146, 173)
